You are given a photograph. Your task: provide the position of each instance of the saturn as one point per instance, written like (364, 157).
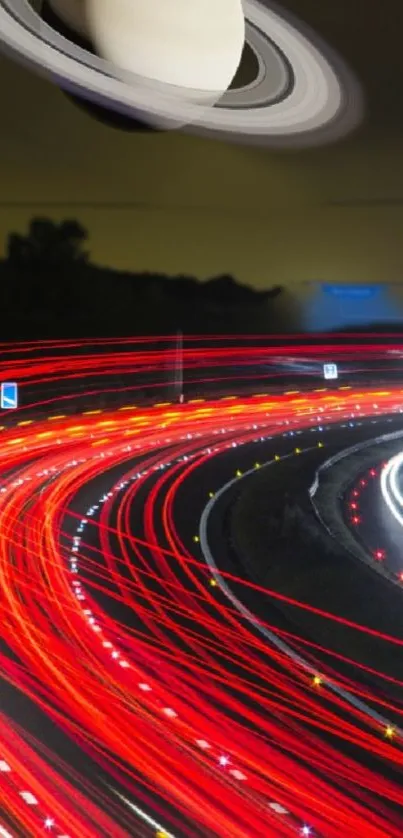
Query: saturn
(173, 64)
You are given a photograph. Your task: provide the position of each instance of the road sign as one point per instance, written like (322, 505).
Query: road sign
(330, 371)
(9, 395)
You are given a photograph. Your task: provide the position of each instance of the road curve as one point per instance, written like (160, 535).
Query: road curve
(112, 630)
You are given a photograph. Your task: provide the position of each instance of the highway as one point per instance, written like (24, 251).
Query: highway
(373, 508)
(159, 708)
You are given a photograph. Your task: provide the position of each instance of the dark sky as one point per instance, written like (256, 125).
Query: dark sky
(173, 202)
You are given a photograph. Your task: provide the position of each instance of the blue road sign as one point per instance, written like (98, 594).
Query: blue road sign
(355, 292)
(9, 395)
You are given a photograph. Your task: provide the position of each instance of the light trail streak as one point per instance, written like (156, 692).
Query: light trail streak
(271, 636)
(111, 627)
(389, 485)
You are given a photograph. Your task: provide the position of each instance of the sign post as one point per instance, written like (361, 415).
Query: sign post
(9, 395)
(179, 368)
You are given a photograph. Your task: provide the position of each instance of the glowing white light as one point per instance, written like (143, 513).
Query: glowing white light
(278, 808)
(389, 487)
(203, 744)
(238, 775)
(29, 798)
(146, 818)
(172, 714)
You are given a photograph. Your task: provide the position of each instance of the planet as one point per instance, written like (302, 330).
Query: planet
(73, 14)
(297, 91)
(187, 44)
(70, 22)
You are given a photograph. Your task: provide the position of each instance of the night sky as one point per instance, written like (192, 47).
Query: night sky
(177, 203)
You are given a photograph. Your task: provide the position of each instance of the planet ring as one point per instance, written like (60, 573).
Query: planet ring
(303, 94)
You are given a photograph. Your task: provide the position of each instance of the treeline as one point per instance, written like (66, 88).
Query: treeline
(50, 288)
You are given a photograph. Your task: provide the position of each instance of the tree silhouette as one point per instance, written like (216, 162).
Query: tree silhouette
(47, 246)
(49, 287)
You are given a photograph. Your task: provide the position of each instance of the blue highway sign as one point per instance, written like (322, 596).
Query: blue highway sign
(9, 395)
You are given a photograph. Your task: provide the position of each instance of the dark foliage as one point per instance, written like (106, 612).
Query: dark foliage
(49, 288)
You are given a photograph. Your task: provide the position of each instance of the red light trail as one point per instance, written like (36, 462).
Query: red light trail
(188, 712)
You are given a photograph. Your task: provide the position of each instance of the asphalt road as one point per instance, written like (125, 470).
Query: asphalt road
(190, 500)
(152, 691)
